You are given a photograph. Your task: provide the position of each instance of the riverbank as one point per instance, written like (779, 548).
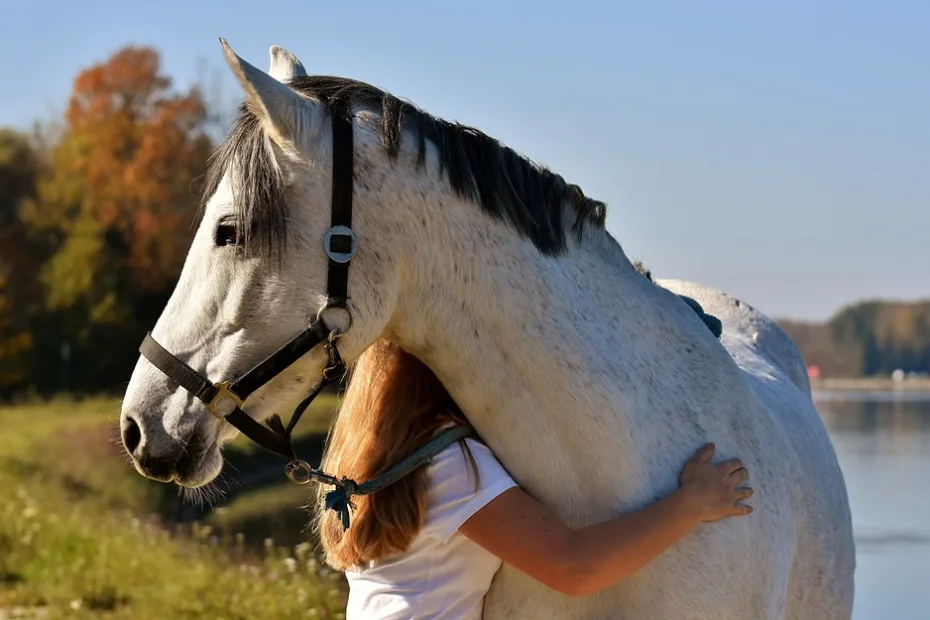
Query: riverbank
(870, 384)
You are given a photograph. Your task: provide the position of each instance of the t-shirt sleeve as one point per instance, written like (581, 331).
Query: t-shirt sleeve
(453, 493)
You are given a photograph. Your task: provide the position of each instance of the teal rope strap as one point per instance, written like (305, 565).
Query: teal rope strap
(713, 323)
(340, 498)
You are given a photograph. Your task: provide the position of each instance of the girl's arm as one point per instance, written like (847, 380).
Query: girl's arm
(525, 534)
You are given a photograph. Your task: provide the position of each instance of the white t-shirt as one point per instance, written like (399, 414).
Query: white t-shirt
(443, 574)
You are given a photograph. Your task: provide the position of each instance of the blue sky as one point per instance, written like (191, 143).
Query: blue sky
(780, 152)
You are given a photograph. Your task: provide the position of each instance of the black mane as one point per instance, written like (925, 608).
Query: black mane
(480, 169)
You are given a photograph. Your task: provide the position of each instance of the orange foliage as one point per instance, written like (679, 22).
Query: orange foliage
(125, 164)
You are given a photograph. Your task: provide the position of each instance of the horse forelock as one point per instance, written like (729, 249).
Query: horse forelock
(257, 182)
(479, 169)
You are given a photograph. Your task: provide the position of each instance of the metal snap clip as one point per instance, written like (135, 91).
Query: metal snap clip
(298, 472)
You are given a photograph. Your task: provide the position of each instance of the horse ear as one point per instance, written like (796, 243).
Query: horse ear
(284, 65)
(285, 114)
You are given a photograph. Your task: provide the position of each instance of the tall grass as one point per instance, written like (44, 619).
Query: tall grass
(80, 536)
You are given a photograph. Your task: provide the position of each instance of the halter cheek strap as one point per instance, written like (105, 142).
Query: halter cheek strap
(340, 242)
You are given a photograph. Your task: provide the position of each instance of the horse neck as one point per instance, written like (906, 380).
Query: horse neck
(549, 357)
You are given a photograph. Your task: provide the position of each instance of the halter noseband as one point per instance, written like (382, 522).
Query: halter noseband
(340, 244)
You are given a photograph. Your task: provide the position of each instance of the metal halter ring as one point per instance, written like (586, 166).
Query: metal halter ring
(340, 231)
(298, 472)
(325, 307)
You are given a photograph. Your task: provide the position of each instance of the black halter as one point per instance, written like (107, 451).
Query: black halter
(340, 244)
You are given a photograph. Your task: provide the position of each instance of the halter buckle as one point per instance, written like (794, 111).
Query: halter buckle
(223, 392)
(338, 232)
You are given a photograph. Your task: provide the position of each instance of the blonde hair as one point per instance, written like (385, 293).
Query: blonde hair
(393, 405)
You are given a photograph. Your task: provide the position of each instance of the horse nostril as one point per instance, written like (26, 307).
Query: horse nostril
(131, 435)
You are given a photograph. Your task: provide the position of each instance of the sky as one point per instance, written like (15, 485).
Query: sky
(779, 151)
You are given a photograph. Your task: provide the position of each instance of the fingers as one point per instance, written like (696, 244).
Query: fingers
(744, 493)
(740, 475)
(741, 494)
(730, 466)
(705, 453)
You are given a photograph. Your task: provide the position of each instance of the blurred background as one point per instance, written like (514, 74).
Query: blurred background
(780, 153)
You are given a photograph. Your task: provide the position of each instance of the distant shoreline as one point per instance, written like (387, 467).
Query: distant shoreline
(870, 384)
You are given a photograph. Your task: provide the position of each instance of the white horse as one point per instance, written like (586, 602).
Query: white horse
(591, 383)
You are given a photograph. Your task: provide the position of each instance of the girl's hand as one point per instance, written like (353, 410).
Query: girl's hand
(526, 534)
(713, 491)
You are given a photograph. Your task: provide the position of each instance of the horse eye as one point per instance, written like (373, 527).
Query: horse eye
(226, 234)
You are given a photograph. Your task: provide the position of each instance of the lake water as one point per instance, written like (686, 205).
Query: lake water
(883, 444)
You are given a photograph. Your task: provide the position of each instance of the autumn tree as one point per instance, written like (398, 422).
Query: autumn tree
(19, 260)
(117, 205)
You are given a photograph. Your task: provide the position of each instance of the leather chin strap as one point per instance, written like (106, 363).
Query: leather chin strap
(340, 244)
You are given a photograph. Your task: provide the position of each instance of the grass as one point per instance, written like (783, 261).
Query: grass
(277, 508)
(84, 536)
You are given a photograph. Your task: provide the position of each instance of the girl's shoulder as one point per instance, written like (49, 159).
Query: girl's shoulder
(470, 464)
(454, 452)
(460, 485)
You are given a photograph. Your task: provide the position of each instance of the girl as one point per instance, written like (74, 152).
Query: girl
(428, 545)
